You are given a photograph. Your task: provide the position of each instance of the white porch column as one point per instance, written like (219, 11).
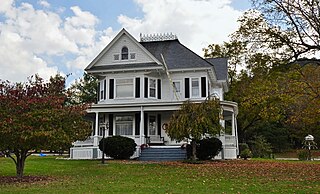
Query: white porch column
(142, 138)
(95, 139)
(233, 131)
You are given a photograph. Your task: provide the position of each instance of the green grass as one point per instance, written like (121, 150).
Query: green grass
(80, 176)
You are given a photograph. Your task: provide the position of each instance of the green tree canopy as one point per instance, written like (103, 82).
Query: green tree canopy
(194, 120)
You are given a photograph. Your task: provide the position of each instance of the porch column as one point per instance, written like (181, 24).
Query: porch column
(142, 138)
(95, 139)
(233, 124)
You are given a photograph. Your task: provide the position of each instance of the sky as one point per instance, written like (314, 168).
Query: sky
(47, 37)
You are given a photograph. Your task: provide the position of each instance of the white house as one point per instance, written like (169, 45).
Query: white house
(142, 83)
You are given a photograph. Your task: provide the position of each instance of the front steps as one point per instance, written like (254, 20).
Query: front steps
(163, 153)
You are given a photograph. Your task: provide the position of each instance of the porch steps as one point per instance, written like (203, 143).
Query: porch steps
(163, 153)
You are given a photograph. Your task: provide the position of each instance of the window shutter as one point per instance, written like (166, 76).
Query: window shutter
(137, 87)
(137, 123)
(98, 92)
(186, 88)
(203, 87)
(146, 86)
(159, 124)
(111, 88)
(105, 89)
(159, 88)
(146, 124)
(110, 124)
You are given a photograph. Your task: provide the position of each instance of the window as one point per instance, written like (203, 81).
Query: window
(177, 86)
(152, 87)
(152, 125)
(124, 53)
(132, 55)
(102, 88)
(124, 125)
(195, 87)
(124, 88)
(116, 57)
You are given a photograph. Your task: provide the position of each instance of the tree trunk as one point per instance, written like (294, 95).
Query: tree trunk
(194, 150)
(21, 158)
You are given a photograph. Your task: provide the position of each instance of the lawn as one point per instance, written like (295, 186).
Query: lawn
(80, 176)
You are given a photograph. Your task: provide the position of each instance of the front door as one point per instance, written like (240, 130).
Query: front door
(152, 125)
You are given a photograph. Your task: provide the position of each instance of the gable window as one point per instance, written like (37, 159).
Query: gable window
(124, 88)
(124, 125)
(132, 55)
(195, 89)
(124, 53)
(177, 86)
(152, 87)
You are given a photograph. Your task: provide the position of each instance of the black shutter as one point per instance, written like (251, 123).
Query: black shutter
(146, 87)
(186, 88)
(159, 124)
(98, 92)
(145, 124)
(137, 124)
(105, 89)
(110, 124)
(159, 88)
(111, 88)
(137, 87)
(203, 87)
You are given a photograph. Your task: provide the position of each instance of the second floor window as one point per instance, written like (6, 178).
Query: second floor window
(124, 53)
(195, 89)
(152, 87)
(124, 88)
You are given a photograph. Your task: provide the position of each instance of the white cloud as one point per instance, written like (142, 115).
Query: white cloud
(44, 3)
(31, 39)
(197, 23)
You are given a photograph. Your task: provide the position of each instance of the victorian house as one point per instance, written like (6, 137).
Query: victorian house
(142, 83)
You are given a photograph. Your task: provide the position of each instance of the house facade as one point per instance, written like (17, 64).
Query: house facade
(142, 83)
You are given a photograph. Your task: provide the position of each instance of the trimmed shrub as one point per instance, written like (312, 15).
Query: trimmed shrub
(207, 148)
(118, 147)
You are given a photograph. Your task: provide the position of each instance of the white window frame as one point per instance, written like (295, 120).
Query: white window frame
(155, 125)
(101, 90)
(180, 84)
(155, 88)
(123, 122)
(191, 91)
(128, 54)
(116, 88)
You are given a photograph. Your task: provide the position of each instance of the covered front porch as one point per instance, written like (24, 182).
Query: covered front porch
(146, 123)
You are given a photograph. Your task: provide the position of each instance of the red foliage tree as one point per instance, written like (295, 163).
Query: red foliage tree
(35, 115)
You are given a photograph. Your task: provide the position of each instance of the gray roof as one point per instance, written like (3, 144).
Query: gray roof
(220, 66)
(125, 66)
(176, 55)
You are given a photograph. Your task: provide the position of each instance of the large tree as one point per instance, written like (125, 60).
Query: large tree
(195, 120)
(34, 115)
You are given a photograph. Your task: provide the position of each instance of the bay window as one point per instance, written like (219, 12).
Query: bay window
(152, 87)
(124, 88)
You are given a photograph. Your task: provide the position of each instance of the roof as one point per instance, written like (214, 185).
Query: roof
(220, 66)
(175, 54)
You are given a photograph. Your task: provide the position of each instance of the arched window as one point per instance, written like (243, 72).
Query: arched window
(124, 53)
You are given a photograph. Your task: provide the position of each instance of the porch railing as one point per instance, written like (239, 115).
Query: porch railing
(154, 139)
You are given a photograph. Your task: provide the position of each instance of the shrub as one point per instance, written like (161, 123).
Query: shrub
(303, 154)
(207, 148)
(118, 147)
(246, 153)
(260, 148)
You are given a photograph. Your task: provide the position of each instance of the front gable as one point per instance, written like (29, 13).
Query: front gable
(123, 52)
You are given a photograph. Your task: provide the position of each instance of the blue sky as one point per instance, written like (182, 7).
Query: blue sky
(50, 36)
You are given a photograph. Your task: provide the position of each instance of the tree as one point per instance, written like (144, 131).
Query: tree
(291, 28)
(194, 121)
(34, 115)
(84, 91)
